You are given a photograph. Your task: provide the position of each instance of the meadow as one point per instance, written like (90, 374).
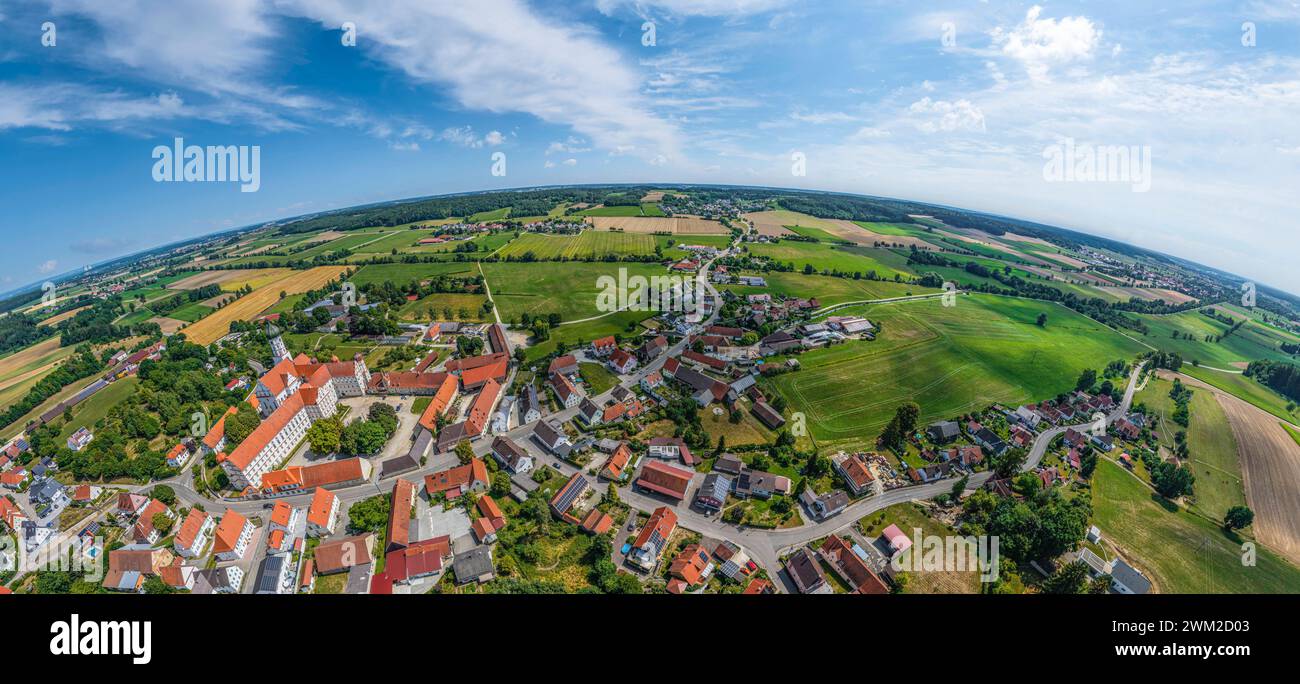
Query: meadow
(845, 259)
(949, 360)
(1211, 443)
(1180, 551)
(829, 290)
(401, 274)
(567, 288)
(1252, 341)
(435, 306)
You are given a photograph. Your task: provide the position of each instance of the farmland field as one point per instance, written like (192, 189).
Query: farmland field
(949, 360)
(587, 244)
(677, 225)
(1211, 444)
(554, 287)
(826, 257)
(98, 405)
(404, 273)
(249, 306)
(1252, 341)
(1181, 552)
(231, 279)
(1246, 389)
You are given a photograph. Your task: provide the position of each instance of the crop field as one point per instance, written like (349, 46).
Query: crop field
(59, 318)
(1211, 443)
(567, 288)
(677, 225)
(949, 360)
(404, 273)
(1180, 551)
(216, 325)
(400, 240)
(623, 210)
(231, 279)
(24, 368)
(191, 312)
(587, 244)
(828, 257)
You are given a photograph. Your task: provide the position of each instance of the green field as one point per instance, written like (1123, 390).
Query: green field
(97, 406)
(949, 360)
(826, 257)
(597, 376)
(404, 273)
(1246, 389)
(1210, 440)
(494, 215)
(579, 334)
(433, 307)
(1251, 342)
(589, 244)
(554, 287)
(191, 312)
(1180, 551)
(829, 290)
(645, 209)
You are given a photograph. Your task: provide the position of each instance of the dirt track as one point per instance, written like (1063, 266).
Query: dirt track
(1270, 462)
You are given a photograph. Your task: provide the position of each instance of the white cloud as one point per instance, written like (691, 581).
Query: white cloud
(701, 8)
(61, 106)
(48, 266)
(1042, 43)
(934, 116)
(494, 138)
(571, 145)
(570, 162)
(500, 56)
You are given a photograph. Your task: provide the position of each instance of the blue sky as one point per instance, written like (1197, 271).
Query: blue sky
(949, 102)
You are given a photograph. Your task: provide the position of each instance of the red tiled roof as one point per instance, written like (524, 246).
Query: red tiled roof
(266, 431)
(438, 404)
(664, 479)
(322, 502)
(218, 430)
(190, 528)
(228, 531)
(458, 477)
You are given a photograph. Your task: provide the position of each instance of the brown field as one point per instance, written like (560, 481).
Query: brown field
(677, 225)
(217, 324)
(168, 325)
(1270, 462)
(768, 223)
(54, 320)
(858, 235)
(1061, 258)
(27, 356)
(1150, 294)
(240, 276)
(653, 196)
(324, 237)
(215, 301)
(979, 237)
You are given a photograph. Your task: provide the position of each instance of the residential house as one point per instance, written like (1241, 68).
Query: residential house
(856, 470)
(474, 565)
(692, 566)
(344, 554)
(550, 435)
(664, 479)
(670, 449)
(232, 536)
(851, 567)
(616, 465)
(194, 534)
(322, 513)
(806, 573)
(569, 494)
(565, 390)
(712, 495)
(943, 431)
(826, 505)
(761, 484)
(622, 362)
(650, 542)
(453, 482)
(511, 456)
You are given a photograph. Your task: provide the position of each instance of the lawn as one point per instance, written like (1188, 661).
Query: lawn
(599, 378)
(1182, 552)
(949, 360)
(1210, 441)
(191, 312)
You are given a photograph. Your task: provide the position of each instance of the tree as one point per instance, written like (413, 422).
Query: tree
(1068, 579)
(464, 452)
(369, 515)
(1172, 481)
(900, 426)
(500, 484)
(1042, 320)
(162, 522)
(958, 487)
(1238, 517)
(325, 436)
(1087, 379)
(611, 494)
(164, 494)
(1101, 585)
(155, 585)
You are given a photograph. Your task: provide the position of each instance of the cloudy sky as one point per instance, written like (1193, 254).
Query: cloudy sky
(949, 102)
